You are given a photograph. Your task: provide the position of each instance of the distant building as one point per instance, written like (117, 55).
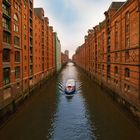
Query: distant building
(57, 45)
(64, 58)
(67, 53)
(51, 51)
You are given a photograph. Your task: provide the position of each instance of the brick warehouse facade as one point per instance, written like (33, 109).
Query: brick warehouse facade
(111, 53)
(27, 52)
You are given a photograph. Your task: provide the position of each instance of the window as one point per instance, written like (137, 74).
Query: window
(5, 24)
(6, 76)
(17, 56)
(116, 40)
(127, 15)
(24, 37)
(24, 5)
(16, 17)
(116, 25)
(24, 16)
(127, 28)
(6, 55)
(24, 27)
(5, 9)
(116, 70)
(16, 41)
(127, 72)
(127, 43)
(102, 67)
(15, 28)
(108, 71)
(6, 37)
(24, 47)
(126, 55)
(17, 72)
(17, 7)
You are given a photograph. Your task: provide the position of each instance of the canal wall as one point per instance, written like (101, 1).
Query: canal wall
(12, 96)
(131, 106)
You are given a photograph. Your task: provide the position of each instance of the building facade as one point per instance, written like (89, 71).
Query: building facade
(64, 58)
(51, 51)
(27, 51)
(38, 43)
(111, 53)
(27, 44)
(10, 51)
(57, 52)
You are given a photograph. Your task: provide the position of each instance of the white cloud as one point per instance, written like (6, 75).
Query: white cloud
(88, 12)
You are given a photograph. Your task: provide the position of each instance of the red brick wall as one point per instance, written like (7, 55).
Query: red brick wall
(96, 43)
(25, 41)
(1, 79)
(45, 45)
(37, 58)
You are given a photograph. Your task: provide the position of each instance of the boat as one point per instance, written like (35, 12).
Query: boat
(70, 86)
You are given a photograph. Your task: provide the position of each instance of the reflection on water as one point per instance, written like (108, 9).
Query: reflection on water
(88, 114)
(71, 120)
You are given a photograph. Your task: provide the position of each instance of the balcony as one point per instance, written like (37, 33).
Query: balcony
(6, 45)
(31, 41)
(6, 28)
(31, 73)
(31, 61)
(31, 46)
(31, 52)
(6, 13)
(7, 2)
(31, 14)
(31, 4)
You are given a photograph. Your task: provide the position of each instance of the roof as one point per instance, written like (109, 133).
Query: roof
(116, 5)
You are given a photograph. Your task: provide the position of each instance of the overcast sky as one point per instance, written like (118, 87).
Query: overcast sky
(71, 19)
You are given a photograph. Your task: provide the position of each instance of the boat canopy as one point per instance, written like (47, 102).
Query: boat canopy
(70, 82)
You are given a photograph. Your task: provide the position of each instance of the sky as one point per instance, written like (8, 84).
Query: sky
(71, 19)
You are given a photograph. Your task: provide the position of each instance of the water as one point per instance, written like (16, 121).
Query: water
(87, 115)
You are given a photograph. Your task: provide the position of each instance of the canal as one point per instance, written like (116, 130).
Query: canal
(87, 115)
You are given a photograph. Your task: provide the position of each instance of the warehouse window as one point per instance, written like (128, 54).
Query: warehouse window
(116, 70)
(127, 72)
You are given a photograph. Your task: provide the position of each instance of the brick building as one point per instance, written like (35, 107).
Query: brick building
(64, 58)
(112, 53)
(38, 43)
(46, 26)
(27, 52)
(10, 51)
(57, 52)
(27, 44)
(51, 51)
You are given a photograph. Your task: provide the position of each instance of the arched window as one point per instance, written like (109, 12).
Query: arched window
(16, 17)
(127, 72)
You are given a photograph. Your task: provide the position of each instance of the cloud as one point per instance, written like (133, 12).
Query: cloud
(71, 19)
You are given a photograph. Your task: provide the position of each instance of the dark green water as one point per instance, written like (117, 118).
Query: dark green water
(87, 115)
